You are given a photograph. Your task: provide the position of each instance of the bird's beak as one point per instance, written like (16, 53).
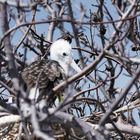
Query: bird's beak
(75, 66)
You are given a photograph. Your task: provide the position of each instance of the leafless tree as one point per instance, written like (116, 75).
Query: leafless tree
(105, 104)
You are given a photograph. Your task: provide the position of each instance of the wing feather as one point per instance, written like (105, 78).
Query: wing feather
(42, 72)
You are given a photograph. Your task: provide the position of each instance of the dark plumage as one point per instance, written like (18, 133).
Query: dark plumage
(44, 75)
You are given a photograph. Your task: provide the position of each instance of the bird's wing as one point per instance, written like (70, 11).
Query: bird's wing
(42, 72)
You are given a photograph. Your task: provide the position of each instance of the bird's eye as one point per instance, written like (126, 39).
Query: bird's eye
(64, 54)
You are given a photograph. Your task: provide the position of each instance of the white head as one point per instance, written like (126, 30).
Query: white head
(60, 51)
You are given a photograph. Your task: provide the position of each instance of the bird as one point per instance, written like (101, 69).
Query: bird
(43, 75)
